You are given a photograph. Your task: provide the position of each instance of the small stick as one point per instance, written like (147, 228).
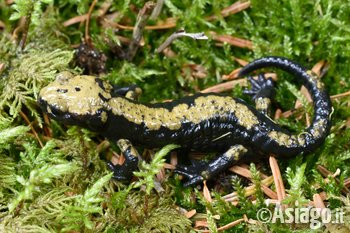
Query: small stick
(248, 191)
(81, 18)
(206, 192)
(245, 172)
(276, 173)
(317, 68)
(227, 226)
(347, 183)
(25, 28)
(230, 10)
(138, 29)
(235, 41)
(104, 145)
(325, 173)
(168, 23)
(269, 192)
(104, 8)
(232, 75)
(157, 9)
(190, 214)
(74, 20)
(47, 122)
(178, 34)
(226, 86)
(2, 67)
(25, 118)
(340, 95)
(87, 25)
(2, 25)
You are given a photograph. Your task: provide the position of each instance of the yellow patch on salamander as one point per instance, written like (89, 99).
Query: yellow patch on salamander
(287, 140)
(319, 128)
(262, 104)
(204, 107)
(315, 79)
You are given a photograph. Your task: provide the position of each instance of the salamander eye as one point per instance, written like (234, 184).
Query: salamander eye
(62, 90)
(77, 89)
(55, 111)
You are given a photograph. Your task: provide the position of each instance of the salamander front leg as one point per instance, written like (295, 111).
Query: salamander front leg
(262, 91)
(125, 171)
(196, 174)
(132, 92)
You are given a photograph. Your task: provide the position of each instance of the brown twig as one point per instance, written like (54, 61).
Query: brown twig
(141, 21)
(306, 94)
(81, 18)
(190, 214)
(76, 19)
(325, 173)
(341, 95)
(200, 223)
(269, 192)
(104, 8)
(160, 177)
(233, 197)
(2, 25)
(235, 41)
(280, 190)
(2, 67)
(241, 61)
(206, 192)
(104, 145)
(24, 29)
(168, 23)
(157, 9)
(233, 9)
(278, 114)
(245, 172)
(25, 118)
(225, 86)
(320, 68)
(317, 68)
(318, 202)
(227, 226)
(232, 75)
(235, 72)
(87, 24)
(347, 183)
(169, 166)
(47, 130)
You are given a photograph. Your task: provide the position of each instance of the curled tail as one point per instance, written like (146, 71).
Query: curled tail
(320, 126)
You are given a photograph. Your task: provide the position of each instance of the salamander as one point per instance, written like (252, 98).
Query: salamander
(200, 122)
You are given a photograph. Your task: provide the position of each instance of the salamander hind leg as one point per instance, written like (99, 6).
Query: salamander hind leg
(262, 91)
(125, 171)
(196, 174)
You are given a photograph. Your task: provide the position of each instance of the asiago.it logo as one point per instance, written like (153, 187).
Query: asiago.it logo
(316, 217)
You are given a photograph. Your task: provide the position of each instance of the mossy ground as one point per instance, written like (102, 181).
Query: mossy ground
(53, 178)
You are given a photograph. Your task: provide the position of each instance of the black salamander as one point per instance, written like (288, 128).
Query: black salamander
(201, 122)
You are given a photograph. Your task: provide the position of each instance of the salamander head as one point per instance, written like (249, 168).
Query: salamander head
(76, 100)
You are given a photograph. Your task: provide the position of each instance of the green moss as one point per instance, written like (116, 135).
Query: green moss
(64, 185)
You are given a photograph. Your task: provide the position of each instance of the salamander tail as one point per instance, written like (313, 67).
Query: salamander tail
(321, 124)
